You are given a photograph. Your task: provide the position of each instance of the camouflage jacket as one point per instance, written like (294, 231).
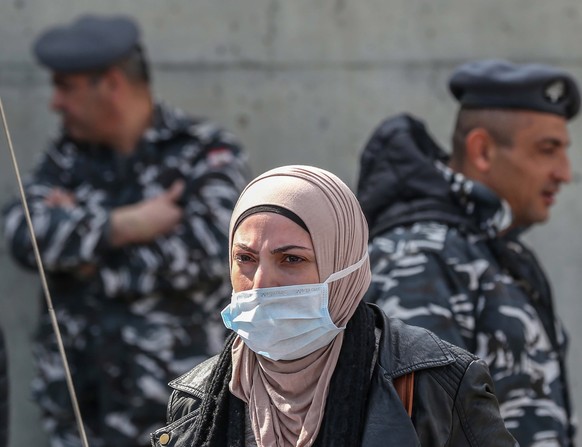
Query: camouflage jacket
(133, 317)
(439, 261)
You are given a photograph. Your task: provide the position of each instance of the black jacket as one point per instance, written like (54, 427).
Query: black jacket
(454, 404)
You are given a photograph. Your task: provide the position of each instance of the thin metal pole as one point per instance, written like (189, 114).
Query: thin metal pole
(47, 294)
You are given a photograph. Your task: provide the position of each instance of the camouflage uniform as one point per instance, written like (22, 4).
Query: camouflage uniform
(438, 261)
(134, 317)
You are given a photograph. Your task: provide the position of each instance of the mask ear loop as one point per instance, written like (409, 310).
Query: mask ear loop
(348, 270)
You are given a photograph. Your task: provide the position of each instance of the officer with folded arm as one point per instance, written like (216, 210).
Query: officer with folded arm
(130, 204)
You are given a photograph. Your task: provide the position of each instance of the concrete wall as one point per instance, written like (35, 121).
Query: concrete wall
(301, 81)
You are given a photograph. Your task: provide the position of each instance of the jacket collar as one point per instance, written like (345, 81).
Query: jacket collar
(194, 381)
(402, 349)
(405, 348)
(490, 213)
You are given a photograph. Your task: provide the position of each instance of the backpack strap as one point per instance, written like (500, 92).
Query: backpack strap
(405, 388)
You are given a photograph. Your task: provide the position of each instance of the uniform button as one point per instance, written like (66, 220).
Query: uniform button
(164, 439)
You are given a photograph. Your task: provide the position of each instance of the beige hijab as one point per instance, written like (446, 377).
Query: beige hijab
(286, 399)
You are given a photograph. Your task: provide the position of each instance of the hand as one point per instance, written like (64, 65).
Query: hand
(147, 220)
(58, 197)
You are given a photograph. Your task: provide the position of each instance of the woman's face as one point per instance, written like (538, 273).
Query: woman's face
(270, 250)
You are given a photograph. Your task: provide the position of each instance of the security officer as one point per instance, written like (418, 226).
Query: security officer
(130, 205)
(445, 240)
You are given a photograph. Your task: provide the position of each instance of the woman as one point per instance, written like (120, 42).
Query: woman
(309, 363)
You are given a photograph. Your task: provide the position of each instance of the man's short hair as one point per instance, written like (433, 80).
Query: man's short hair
(499, 123)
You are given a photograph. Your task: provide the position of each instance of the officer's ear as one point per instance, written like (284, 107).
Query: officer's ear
(113, 81)
(480, 150)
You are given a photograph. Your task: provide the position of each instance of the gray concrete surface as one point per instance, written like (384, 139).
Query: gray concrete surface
(302, 81)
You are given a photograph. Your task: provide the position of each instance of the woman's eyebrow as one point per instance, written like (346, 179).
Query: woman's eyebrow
(289, 247)
(246, 248)
(276, 250)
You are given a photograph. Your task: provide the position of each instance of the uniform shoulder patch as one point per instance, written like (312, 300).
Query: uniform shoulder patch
(219, 156)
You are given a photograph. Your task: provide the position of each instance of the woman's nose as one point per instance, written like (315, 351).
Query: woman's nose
(265, 276)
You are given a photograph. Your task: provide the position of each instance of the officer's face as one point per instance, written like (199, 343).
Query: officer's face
(83, 104)
(529, 173)
(270, 250)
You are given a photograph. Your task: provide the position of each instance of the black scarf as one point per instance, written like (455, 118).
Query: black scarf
(222, 415)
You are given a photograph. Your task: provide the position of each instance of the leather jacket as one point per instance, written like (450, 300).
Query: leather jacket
(454, 404)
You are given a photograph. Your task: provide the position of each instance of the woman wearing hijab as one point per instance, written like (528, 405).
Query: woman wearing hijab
(309, 363)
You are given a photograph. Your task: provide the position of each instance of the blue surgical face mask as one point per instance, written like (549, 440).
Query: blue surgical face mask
(285, 323)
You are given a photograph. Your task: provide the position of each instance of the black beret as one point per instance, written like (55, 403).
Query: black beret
(89, 43)
(491, 84)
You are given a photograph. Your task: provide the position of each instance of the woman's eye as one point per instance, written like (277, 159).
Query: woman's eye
(293, 259)
(242, 258)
